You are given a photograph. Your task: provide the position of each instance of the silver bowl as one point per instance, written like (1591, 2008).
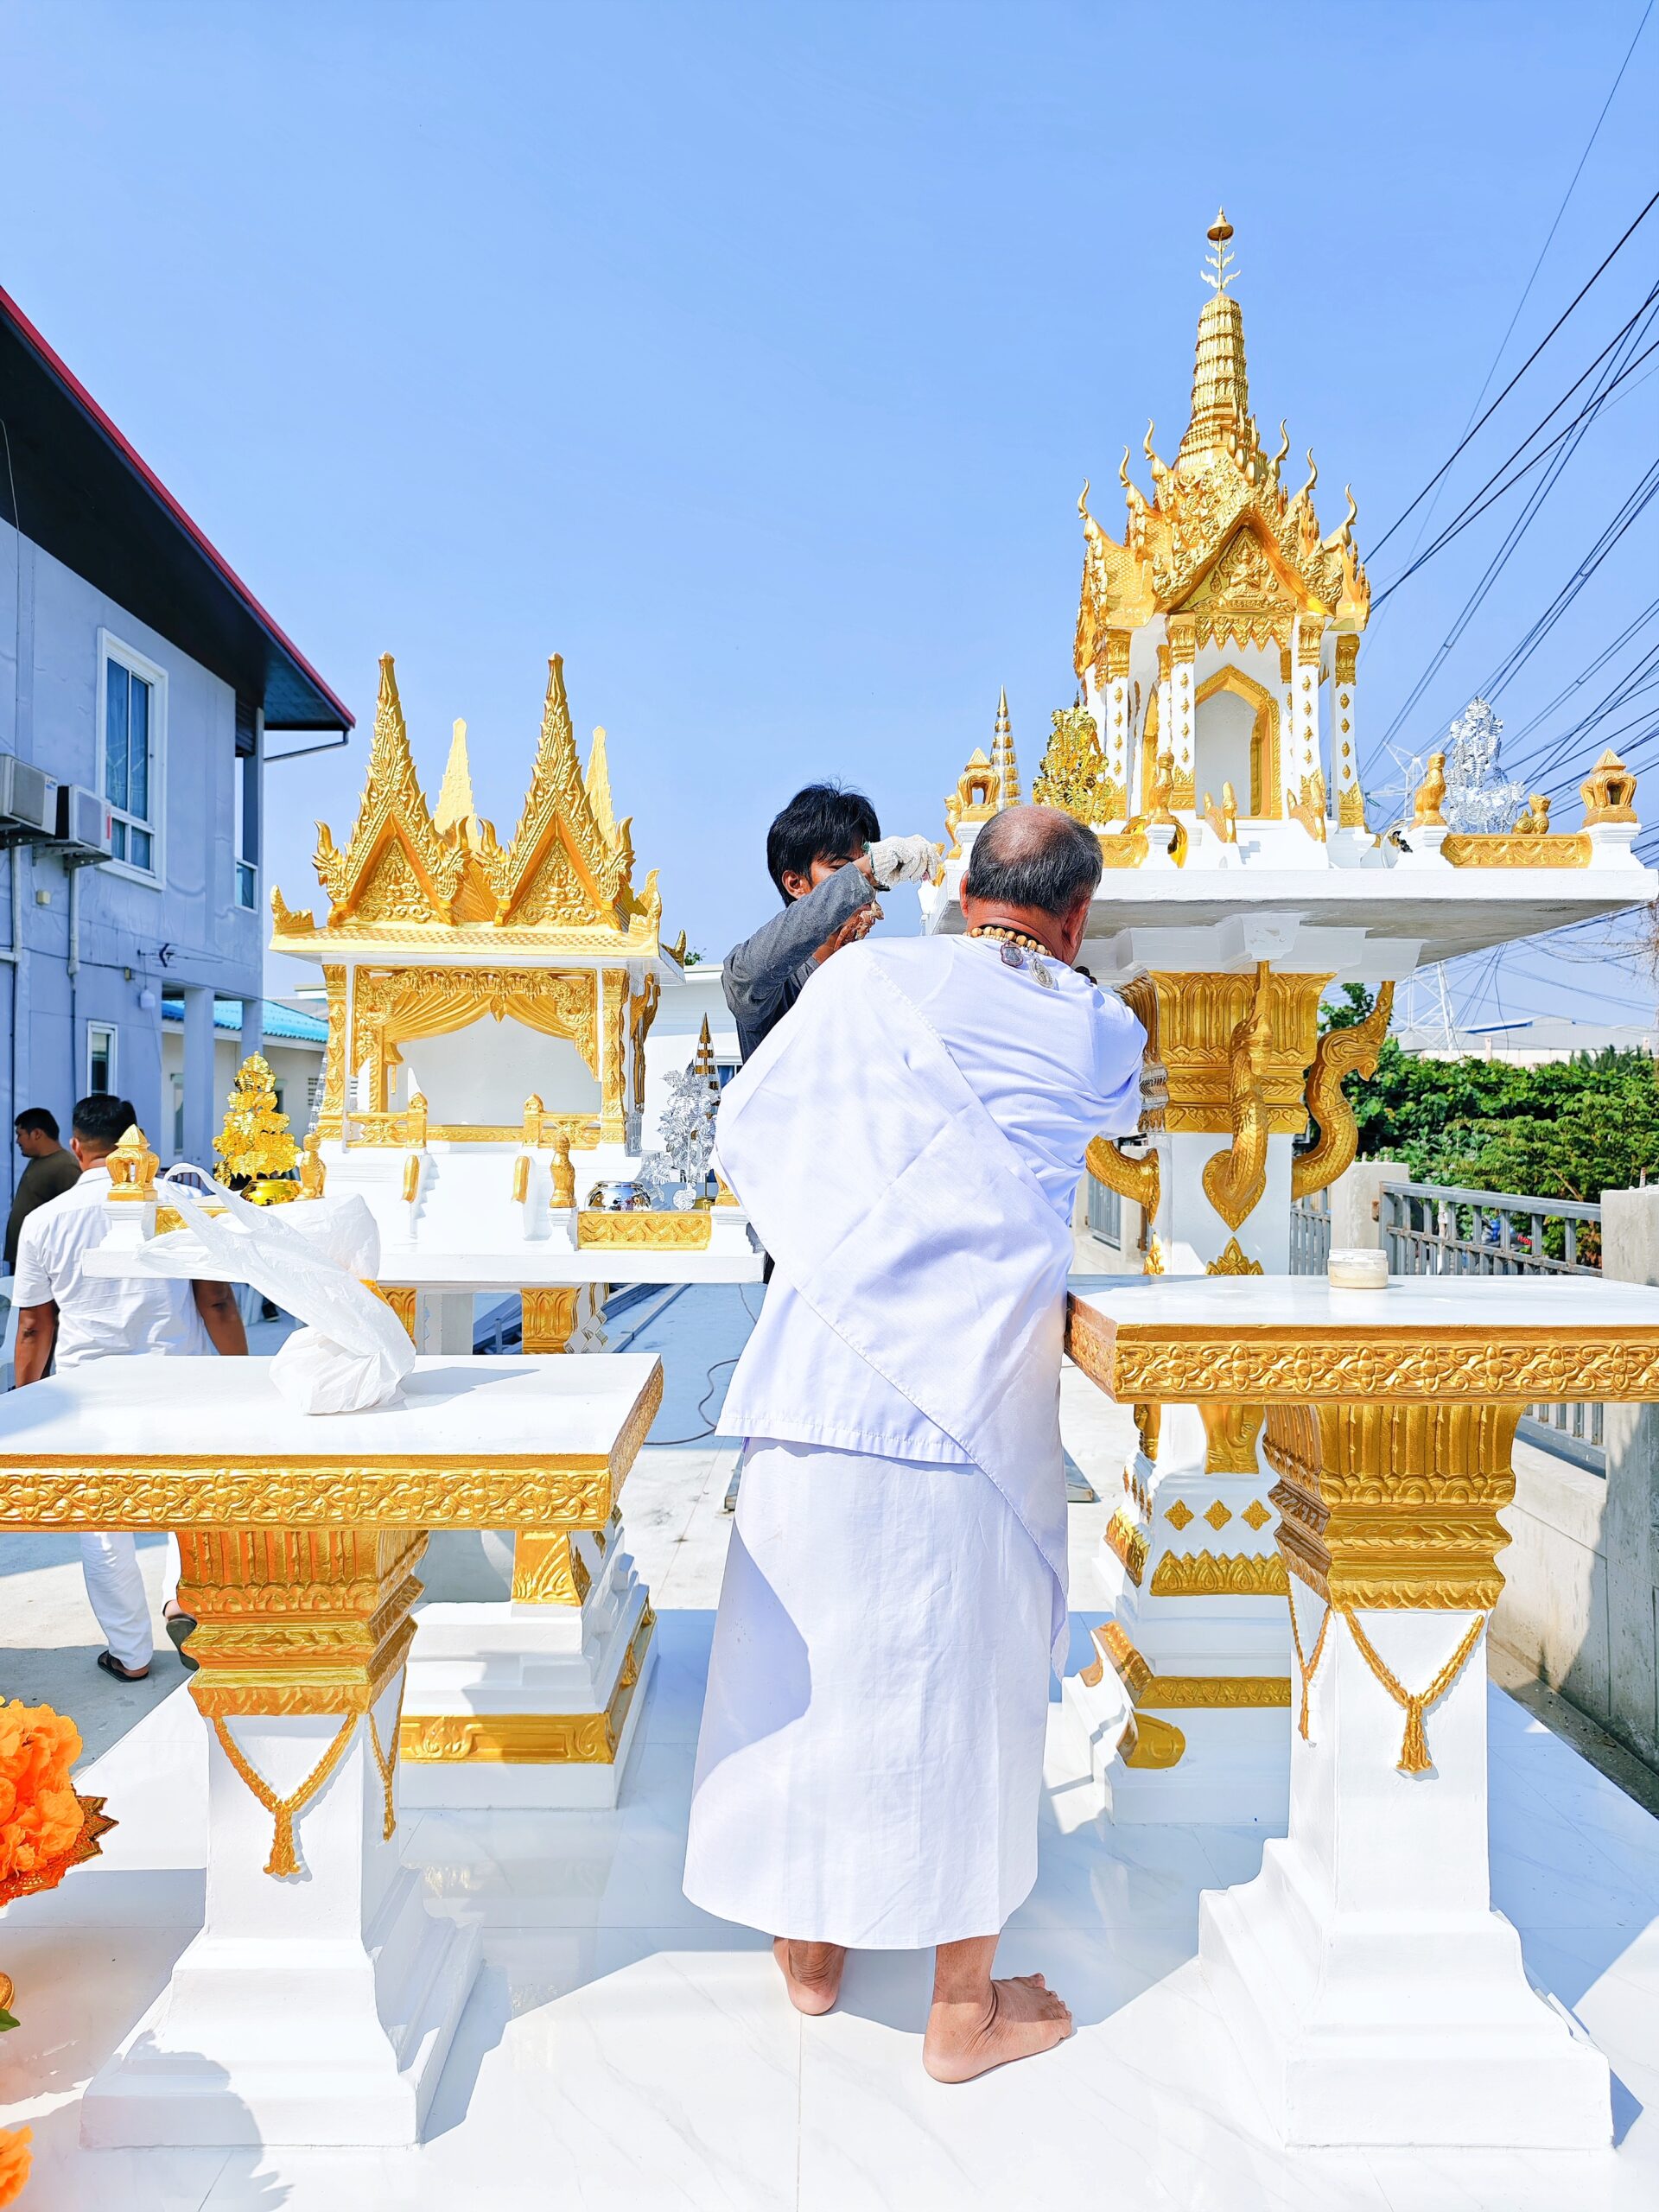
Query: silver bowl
(618, 1198)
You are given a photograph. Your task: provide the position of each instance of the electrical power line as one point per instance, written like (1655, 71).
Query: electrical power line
(1477, 503)
(1499, 560)
(1566, 311)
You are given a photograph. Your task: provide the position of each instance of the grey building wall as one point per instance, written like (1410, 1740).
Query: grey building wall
(184, 932)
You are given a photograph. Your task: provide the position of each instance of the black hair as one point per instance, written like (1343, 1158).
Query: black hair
(103, 1119)
(38, 1120)
(1033, 857)
(823, 822)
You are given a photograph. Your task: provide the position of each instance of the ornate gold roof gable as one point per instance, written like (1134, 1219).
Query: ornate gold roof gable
(566, 880)
(1220, 507)
(561, 864)
(395, 868)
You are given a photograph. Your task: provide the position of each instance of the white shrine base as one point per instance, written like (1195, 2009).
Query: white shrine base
(622, 2050)
(481, 1661)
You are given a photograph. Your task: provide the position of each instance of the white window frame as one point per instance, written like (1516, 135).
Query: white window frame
(247, 764)
(109, 1030)
(111, 648)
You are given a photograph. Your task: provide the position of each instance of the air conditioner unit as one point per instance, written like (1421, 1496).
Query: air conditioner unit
(26, 809)
(83, 826)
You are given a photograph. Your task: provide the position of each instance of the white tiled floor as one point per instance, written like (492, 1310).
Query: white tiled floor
(622, 2049)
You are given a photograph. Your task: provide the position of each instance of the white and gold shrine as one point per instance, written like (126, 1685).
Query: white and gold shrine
(1213, 748)
(488, 1009)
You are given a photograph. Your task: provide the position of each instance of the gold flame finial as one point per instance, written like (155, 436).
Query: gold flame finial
(454, 804)
(1003, 753)
(704, 1063)
(598, 782)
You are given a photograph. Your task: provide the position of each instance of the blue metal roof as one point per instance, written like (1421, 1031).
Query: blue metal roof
(281, 1022)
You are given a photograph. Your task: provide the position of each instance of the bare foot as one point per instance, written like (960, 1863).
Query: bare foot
(1023, 2017)
(811, 1972)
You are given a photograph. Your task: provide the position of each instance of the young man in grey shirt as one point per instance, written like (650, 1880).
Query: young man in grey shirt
(826, 854)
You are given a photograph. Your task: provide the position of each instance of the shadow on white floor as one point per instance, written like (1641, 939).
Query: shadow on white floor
(622, 2049)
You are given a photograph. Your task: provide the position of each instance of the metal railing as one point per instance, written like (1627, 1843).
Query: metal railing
(1432, 1228)
(1310, 1233)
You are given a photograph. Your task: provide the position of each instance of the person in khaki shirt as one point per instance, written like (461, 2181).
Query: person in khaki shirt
(51, 1170)
(66, 1314)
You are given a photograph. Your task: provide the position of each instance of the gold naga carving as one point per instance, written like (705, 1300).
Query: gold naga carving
(1312, 806)
(1341, 1052)
(1230, 1431)
(642, 1013)
(1229, 1574)
(1223, 821)
(1608, 791)
(1135, 1180)
(1234, 1179)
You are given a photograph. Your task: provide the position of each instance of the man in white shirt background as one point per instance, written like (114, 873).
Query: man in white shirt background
(66, 1314)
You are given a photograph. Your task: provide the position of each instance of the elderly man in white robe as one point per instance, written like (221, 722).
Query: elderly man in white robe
(908, 1144)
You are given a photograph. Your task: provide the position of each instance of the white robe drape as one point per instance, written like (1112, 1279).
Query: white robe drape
(870, 1756)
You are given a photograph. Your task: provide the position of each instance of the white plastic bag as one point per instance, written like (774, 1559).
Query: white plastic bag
(352, 1351)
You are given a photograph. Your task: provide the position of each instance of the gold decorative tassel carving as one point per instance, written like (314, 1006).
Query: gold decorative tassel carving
(1341, 1052)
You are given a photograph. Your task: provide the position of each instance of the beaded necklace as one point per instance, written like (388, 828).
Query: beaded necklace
(1019, 950)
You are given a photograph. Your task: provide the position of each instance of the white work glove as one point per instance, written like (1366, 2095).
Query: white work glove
(903, 860)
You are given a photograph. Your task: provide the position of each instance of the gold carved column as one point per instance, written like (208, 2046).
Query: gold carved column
(614, 1049)
(1181, 737)
(547, 1569)
(1344, 742)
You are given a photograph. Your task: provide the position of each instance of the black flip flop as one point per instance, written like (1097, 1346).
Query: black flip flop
(111, 1665)
(179, 1627)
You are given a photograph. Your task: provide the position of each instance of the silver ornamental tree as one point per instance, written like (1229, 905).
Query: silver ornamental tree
(1477, 797)
(686, 1129)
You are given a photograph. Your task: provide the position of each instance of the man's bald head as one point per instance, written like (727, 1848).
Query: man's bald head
(1035, 857)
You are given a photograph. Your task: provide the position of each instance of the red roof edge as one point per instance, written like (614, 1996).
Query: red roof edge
(141, 469)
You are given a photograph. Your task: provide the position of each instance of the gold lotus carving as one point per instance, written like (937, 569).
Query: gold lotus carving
(1230, 1574)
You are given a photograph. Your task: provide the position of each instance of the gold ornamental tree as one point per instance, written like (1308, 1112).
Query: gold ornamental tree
(255, 1142)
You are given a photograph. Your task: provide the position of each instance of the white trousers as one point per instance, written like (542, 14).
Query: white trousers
(115, 1589)
(869, 1768)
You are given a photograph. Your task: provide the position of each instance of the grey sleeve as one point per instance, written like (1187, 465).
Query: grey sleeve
(757, 971)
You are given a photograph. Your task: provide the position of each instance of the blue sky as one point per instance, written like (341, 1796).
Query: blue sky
(753, 356)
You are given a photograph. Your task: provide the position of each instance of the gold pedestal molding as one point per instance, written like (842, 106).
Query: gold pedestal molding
(530, 1738)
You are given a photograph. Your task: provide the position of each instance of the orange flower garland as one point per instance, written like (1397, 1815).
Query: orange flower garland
(40, 1816)
(15, 2162)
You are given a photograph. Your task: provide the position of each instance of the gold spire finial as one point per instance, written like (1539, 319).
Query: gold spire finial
(1219, 272)
(1002, 755)
(598, 782)
(455, 798)
(1221, 397)
(704, 1063)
